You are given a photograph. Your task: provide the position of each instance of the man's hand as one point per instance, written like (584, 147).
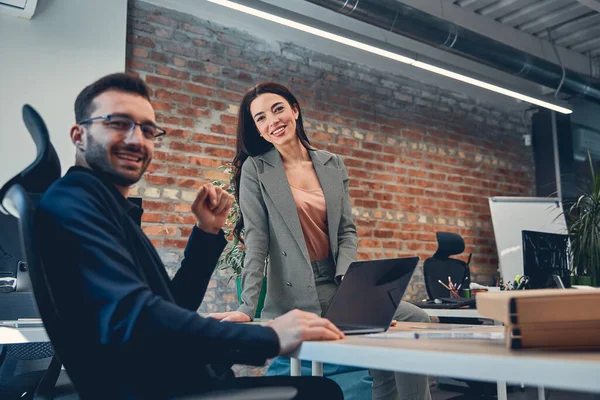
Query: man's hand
(298, 326)
(231, 316)
(211, 207)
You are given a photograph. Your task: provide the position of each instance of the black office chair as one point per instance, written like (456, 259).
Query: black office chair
(441, 266)
(15, 199)
(31, 365)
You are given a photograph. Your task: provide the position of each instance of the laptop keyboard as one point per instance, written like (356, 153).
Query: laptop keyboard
(350, 327)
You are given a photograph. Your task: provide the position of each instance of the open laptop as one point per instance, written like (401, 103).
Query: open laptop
(368, 296)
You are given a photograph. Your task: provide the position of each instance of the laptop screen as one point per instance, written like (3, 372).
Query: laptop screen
(371, 291)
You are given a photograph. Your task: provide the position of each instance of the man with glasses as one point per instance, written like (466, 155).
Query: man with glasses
(136, 333)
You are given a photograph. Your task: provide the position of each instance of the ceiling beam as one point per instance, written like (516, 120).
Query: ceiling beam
(593, 4)
(506, 34)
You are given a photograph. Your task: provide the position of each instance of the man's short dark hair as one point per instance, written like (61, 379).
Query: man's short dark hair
(120, 82)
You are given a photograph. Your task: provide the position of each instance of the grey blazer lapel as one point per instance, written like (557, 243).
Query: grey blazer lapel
(330, 179)
(277, 186)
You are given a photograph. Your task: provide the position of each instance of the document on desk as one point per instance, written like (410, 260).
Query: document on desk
(22, 323)
(439, 334)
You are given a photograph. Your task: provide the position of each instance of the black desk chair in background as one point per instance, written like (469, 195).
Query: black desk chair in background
(440, 266)
(15, 199)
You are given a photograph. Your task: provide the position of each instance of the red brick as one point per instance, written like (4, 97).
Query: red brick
(193, 112)
(177, 158)
(164, 82)
(178, 133)
(159, 105)
(156, 205)
(137, 64)
(212, 139)
(190, 184)
(187, 147)
(140, 52)
(217, 105)
(235, 97)
(199, 102)
(197, 89)
(205, 162)
(206, 80)
(159, 180)
(181, 219)
(226, 130)
(152, 217)
(155, 167)
(141, 41)
(372, 146)
(228, 119)
(219, 152)
(159, 57)
(365, 155)
(184, 171)
(160, 230)
(175, 243)
(365, 203)
(172, 72)
(321, 137)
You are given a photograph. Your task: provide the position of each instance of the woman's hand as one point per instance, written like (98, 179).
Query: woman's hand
(231, 316)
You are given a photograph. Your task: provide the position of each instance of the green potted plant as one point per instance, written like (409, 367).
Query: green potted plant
(584, 229)
(233, 256)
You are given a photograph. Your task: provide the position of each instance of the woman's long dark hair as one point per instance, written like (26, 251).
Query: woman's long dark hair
(249, 142)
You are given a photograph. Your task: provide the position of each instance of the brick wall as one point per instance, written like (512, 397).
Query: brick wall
(420, 159)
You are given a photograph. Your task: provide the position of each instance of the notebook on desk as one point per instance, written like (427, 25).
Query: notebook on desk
(369, 295)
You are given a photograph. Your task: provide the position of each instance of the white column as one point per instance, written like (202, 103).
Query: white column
(317, 368)
(502, 394)
(541, 393)
(295, 367)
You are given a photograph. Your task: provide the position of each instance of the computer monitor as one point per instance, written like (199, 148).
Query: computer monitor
(16, 298)
(544, 255)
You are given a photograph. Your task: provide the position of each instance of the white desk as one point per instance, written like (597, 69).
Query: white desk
(22, 335)
(453, 313)
(470, 359)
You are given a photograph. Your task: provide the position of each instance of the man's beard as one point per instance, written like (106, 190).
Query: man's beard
(97, 157)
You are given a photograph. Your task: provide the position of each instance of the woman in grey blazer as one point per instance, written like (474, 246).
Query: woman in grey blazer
(297, 215)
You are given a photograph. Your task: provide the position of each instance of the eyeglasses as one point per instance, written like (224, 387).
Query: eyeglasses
(122, 124)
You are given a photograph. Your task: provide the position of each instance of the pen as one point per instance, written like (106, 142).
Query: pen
(442, 283)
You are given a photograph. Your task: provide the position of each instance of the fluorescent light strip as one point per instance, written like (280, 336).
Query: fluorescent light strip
(491, 87)
(389, 54)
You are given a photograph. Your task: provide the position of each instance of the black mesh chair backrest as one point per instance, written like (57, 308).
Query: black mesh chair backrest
(441, 266)
(45, 169)
(16, 199)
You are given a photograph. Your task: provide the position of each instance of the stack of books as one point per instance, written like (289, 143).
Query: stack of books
(545, 318)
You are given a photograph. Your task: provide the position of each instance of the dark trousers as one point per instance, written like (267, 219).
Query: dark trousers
(308, 387)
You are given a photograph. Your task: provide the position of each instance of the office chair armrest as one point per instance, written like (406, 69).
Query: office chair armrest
(263, 393)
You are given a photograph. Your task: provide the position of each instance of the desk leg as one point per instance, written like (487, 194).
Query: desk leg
(502, 394)
(317, 368)
(295, 367)
(541, 393)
